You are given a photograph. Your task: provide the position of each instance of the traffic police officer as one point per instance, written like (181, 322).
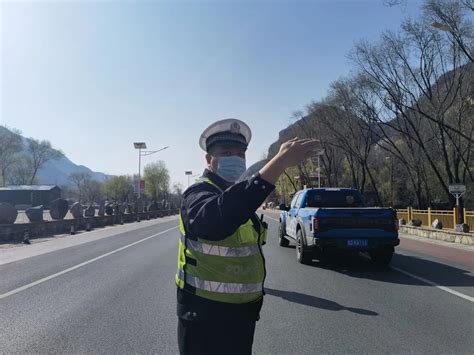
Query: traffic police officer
(221, 267)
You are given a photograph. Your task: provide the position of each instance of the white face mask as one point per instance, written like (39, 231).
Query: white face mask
(230, 168)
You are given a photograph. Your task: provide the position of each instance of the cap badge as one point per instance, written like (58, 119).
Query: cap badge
(235, 127)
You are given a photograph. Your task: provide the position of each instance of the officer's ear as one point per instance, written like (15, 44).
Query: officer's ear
(211, 162)
(208, 159)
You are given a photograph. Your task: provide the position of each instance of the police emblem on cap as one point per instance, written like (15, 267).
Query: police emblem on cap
(235, 127)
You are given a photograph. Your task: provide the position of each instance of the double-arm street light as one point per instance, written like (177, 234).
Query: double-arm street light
(143, 153)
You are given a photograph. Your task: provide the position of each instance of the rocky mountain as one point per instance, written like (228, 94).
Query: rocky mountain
(442, 84)
(56, 172)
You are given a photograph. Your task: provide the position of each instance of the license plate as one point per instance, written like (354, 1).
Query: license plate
(357, 243)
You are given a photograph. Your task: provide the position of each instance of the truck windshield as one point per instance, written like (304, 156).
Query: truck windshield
(334, 199)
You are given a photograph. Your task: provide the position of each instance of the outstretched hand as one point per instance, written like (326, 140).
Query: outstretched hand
(297, 150)
(291, 153)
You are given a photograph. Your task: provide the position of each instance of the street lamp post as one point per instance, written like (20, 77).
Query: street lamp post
(319, 173)
(190, 175)
(391, 179)
(140, 146)
(319, 153)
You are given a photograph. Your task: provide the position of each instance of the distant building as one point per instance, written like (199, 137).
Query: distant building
(30, 195)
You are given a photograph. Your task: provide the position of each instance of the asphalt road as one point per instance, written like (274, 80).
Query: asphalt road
(115, 293)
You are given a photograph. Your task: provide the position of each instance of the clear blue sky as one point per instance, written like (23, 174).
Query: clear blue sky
(93, 77)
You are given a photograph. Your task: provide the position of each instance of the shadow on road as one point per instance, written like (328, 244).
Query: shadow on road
(316, 302)
(361, 267)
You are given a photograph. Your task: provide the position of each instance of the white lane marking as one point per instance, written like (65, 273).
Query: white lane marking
(444, 288)
(25, 287)
(431, 283)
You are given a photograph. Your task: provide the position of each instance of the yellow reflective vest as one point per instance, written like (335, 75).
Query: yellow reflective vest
(231, 270)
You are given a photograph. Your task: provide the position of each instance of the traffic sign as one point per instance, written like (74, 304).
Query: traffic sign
(457, 189)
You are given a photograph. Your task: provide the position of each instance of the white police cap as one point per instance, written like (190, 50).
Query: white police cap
(230, 130)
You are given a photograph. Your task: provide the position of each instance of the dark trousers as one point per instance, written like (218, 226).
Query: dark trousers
(218, 337)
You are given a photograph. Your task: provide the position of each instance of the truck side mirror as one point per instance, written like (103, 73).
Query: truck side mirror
(283, 207)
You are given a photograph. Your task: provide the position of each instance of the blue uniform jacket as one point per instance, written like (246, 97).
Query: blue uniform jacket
(211, 214)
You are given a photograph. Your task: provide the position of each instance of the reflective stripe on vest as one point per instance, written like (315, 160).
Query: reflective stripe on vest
(219, 250)
(220, 287)
(231, 270)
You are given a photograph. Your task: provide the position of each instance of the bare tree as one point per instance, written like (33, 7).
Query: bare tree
(79, 180)
(10, 147)
(418, 78)
(347, 130)
(40, 152)
(411, 100)
(468, 4)
(21, 171)
(92, 191)
(360, 127)
(452, 17)
(398, 147)
(311, 126)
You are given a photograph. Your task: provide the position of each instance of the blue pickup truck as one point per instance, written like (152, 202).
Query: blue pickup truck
(323, 219)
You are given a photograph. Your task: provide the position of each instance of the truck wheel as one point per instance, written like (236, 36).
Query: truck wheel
(319, 255)
(282, 241)
(381, 257)
(303, 256)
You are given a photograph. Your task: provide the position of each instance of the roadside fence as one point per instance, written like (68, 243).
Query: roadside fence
(447, 217)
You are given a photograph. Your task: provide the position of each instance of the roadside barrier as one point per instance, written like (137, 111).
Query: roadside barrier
(447, 217)
(469, 218)
(15, 233)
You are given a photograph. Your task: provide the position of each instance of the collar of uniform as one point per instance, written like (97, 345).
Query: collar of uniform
(216, 179)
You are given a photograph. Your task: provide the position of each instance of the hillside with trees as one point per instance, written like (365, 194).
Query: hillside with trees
(26, 161)
(400, 128)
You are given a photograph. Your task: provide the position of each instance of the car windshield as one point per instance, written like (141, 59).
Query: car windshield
(340, 198)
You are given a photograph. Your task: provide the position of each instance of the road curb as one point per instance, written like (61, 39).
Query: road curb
(444, 235)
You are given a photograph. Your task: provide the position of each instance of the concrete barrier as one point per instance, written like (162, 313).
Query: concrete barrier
(15, 233)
